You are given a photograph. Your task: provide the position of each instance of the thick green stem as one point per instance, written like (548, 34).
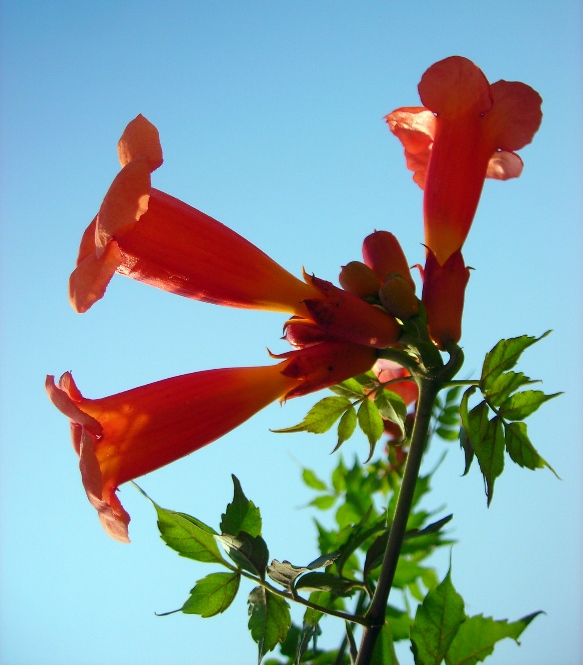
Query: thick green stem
(430, 383)
(428, 389)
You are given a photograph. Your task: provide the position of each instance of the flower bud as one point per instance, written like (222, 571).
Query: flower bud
(382, 253)
(398, 298)
(358, 279)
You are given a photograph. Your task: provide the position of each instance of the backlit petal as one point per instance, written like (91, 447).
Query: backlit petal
(140, 139)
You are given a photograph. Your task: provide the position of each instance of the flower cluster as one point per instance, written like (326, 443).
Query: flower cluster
(466, 132)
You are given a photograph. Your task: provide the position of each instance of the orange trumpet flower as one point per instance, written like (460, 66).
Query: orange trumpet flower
(466, 131)
(124, 436)
(152, 237)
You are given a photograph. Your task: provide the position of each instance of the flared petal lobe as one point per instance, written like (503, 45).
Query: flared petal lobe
(466, 131)
(444, 288)
(124, 436)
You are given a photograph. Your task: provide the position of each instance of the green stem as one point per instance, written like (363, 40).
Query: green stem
(428, 389)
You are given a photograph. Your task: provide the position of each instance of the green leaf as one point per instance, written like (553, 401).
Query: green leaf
(324, 560)
(371, 423)
(476, 638)
(284, 573)
(521, 450)
(447, 434)
(384, 649)
(488, 446)
(320, 417)
(437, 621)
(188, 536)
(315, 581)
(521, 405)
(269, 619)
(241, 514)
(350, 389)
(323, 502)
(506, 384)
(311, 480)
(212, 595)
(346, 426)
(247, 551)
(504, 356)
(466, 446)
(392, 407)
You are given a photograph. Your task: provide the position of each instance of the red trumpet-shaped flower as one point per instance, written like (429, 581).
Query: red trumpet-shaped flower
(150, 236)
(124, 436)
(466, 131)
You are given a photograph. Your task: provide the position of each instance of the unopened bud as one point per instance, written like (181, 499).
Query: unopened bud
(398, 298)
(358, 279)
(383, 253)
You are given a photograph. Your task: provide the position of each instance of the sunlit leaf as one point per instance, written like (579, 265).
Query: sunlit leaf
(188, 536)
(521, 405)
(346, 426)
(269, 619)
(488, 446)
(371, 423)
(392, 407)
(311, 480)
(521, 450)
(350, 389)
(437, 621)
(504, 356)
(507, 383)
(241, 514)
(477, 636)
(212, 594)
(320, 417)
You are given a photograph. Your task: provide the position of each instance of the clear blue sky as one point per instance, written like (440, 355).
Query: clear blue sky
(270, 115)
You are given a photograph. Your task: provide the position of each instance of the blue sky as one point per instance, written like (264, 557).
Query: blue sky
(270, 116)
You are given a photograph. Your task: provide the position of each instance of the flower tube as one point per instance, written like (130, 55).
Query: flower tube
(124, 436)
(466, 131)
(155, 238)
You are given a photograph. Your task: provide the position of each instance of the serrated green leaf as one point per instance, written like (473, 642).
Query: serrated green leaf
(312, 480)
(241, 514)
(269, 619)
(371, 423)
(212, 594)
(188, 536)
(346, 426)
(504, 356)
(247, 551)
(392, 407)
(437, 621)
(521, 405)
(488, 446)
(350, 389)
(521, 450)
(476, 638)
(384, 649)
(320, 417)
(503, 386)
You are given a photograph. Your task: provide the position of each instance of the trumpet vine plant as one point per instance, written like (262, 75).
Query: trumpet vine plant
(389, 357)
